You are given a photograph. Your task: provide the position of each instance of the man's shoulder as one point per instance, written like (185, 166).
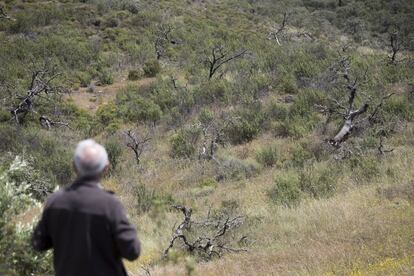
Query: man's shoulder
(53, 197)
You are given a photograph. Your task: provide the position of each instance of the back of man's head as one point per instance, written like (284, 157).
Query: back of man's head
(90, 158)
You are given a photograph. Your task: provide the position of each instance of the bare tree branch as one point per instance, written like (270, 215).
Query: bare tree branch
(278, 31)
(41, 86)
(4, 15)
(162, 38)
(220, 56)
(207, 245)
(137, 143)
(349, 110)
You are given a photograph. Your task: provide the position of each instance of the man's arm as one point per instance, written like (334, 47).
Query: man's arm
(125, 235)
(41, 239)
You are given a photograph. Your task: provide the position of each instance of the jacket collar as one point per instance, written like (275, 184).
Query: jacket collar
(86, 181)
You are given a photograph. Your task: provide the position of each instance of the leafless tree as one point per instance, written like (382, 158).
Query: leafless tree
(395, 43)
(277, 32)
(49, 123)
(162, 39)
(206, 245)
(3, 14)
(42, 86)
(213, 137)
(348, 109)
(381, 149)
(219, 56)
(137, 143)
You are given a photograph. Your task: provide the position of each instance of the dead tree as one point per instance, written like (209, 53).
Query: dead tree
(162, 39)
(395, 43)
(277, 32)
(42, 86)
(209, 243)
(347, 109)
(213, 133)
(49, 123)
(137, 143)
(3, 14)
(381, 149)
(220, 56)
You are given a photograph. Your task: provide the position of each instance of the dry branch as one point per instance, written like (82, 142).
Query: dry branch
(220, 56)
(137, 143)
(4, 15)
(348, 109)
(41, 86)
(206, 244)
(278, 31)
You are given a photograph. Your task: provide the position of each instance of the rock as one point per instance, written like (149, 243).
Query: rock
(289, 99)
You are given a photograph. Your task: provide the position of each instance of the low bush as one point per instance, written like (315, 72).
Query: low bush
(182, 145)
(318, 180)
(134, 75)
(245, 124)
(399, 107)
(105, 77)
(216, 91)
(151, 68)
(286, 190)
(364, 168)
(16, 255)
(234, 168)
(149, 198)
(133, 107)
(114, 149)
(267, 156)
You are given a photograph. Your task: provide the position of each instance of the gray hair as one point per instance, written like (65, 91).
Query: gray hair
(90, 158)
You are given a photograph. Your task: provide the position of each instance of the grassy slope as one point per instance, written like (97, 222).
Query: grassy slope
(364, 228)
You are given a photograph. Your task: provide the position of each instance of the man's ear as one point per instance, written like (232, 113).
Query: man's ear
(106, 170)
(74, 167)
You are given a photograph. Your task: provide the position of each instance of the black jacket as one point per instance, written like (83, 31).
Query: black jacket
(88, 230)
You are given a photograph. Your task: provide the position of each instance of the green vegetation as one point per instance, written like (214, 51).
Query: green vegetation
(253, 137)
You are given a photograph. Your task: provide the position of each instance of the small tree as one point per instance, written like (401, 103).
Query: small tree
(219, 56)
(277, 32)
(352, 113)
(137, 143)
(43, 85)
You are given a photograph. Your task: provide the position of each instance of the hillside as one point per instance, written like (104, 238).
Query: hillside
(286, 127)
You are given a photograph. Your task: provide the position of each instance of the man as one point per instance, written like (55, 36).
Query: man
(86, 226)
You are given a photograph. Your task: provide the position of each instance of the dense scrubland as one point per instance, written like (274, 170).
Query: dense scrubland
(286, 126)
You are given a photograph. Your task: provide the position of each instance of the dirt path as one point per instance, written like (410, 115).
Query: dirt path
(102, 94)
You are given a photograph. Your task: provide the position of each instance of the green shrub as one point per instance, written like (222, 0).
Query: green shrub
(151, 68)
(234, 168)
(300, 156)
(288, 85)
(181, 145)
(276, 111)
(16, 255)
(134, 75)
(216, 91)
(4, 116)
(318, 180)
(132, 107)
(244, 125)
(400, 108)
(147, 199)
(206, 116)
(286, 190)
(364, 168)
(267, 156)
(114, 149)
(84, 78)
(105, 77)
(107, 113)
